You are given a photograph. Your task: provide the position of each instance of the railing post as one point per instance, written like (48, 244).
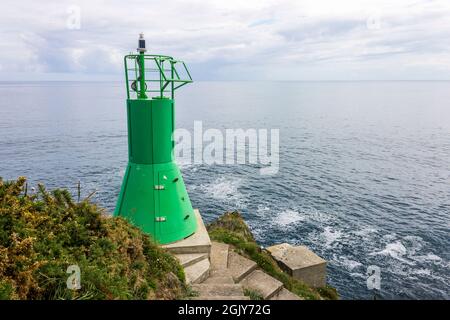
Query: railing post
(142, 94)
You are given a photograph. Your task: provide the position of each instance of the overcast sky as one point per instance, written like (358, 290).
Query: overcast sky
(229, 40)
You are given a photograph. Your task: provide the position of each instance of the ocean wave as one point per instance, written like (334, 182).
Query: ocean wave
(348, 264)
(395, 250)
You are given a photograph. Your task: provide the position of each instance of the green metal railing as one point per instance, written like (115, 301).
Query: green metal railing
(149, 76)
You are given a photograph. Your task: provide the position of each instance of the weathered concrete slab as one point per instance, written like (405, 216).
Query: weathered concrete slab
(188, 259)
(214, 289)
(197, 272)
(199, 242)
(285, 294)
(301, 263)
(219, 273)
(219, 256)
(262, 283)
(219, 279)
(224, 272)
(239, 266)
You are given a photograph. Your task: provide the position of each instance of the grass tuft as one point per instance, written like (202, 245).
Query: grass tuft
(253, 295)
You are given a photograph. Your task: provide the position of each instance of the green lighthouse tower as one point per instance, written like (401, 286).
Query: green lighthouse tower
(153, 195)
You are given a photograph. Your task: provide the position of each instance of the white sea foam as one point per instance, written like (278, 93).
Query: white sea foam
(410, 262)
(317, 216)
(395, 250)
(288, 218)
(349, 264)
(225, 189)
(310, 215)
(422, 272)
(262, 211)
(432, 257)
(358, 275)
(330, 235)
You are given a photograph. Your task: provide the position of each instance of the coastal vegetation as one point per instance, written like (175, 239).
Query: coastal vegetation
(44, 233)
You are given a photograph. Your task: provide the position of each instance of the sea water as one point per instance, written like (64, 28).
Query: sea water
(363, 180)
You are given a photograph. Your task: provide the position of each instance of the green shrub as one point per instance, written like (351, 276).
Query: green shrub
(42, 234)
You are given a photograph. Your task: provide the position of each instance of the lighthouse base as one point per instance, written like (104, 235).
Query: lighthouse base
(199, 242)
(154, 198)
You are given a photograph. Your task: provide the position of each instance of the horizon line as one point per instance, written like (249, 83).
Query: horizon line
(255, 80)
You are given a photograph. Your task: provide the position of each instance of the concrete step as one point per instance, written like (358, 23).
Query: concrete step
(214, 289)
(199, 242)
(261, 282)
(188, 259)
(198, 272)
(219, 279)
(239, 267)
(222, 298)
(219, 256)
(285, 294)
(220, 273)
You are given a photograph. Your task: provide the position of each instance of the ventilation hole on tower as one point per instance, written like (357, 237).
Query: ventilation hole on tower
(175, 180)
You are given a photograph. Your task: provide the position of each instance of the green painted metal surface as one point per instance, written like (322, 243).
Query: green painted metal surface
(153, 195)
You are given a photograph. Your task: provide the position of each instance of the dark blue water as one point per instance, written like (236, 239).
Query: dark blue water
(364, 167)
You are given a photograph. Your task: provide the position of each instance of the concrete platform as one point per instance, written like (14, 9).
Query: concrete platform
(262, 283)
(199, 242)
(301, 263)
(239, 267)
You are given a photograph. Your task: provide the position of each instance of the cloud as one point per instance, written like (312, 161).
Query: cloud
(234, 40)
